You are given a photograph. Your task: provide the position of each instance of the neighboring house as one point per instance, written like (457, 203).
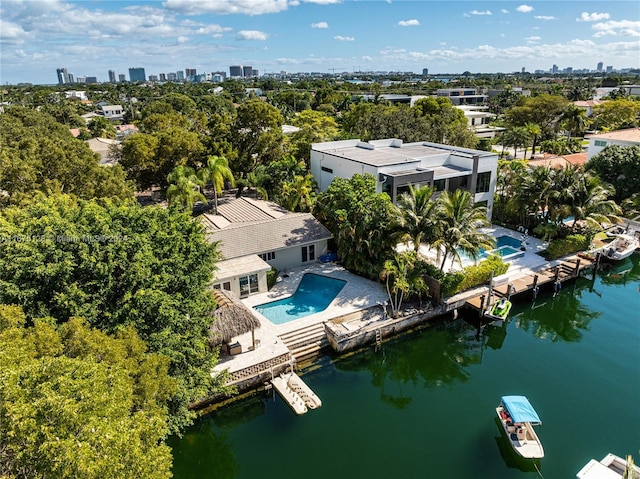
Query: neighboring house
(90, 116)
(396, 165)
(478, 119)
(558, 161)
(80, 95)
(255, 236)
(104, 148)
(112, 112)
(597, 143)
(123, 131)
(462, 96)
(589, 105)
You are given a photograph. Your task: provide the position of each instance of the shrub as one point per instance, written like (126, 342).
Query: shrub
(272, 276)
(564, 246)
(475, 275)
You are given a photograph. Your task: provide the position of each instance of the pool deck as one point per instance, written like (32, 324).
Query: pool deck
(357, 294)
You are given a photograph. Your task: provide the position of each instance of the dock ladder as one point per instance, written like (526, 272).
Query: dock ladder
(378, 338)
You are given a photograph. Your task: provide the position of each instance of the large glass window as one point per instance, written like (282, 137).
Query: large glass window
(484, 182)
(248, 285)
(439, 185)
(308, 253)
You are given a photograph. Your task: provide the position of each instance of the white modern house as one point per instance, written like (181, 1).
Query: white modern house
(627, 137)
(253, 236)
(396, 165)
(112, 112)
(478, 119)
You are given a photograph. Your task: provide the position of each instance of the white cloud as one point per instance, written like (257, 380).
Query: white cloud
(504, 10)
(11, 31)
(626, 28)
(592, 17)
(533, 39)
(213, 29)
(246, 7)
(344, 39)
(525, 8)
(182, 39)
(476, 12)
(251, 35)
(409, 23)
(545, 17)
(320, 25)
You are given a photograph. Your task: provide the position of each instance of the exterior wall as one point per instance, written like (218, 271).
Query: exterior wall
(602, 143)
(292, 257)
(235, 282)
(341, 168)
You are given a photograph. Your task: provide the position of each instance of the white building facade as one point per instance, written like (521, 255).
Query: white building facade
(627, 137)
(396, 165)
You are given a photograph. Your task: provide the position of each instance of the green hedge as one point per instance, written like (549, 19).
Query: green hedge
(475, 275)
(272, 276)
(571, 244)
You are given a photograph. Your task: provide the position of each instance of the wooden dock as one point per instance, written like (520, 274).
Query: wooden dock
(566, 269)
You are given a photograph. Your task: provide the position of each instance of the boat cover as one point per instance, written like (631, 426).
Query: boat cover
(520, 409)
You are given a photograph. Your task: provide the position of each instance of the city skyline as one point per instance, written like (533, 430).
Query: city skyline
(91, 38)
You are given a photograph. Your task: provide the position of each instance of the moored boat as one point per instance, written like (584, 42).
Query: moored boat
(610, 467)
(500, 309)
(518, 418)
(621, 247)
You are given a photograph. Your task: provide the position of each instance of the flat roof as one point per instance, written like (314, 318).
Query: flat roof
(390, 152)
(629, 134)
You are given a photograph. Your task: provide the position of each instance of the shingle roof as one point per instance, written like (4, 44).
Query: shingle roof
(245, 226)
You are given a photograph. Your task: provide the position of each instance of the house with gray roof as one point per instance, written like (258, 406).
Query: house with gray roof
(253, 236)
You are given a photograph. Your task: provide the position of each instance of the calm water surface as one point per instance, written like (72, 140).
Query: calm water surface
(423, 405)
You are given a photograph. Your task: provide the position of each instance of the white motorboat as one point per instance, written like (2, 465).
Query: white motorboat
(517, 416)
(610, 467)
(621, 247)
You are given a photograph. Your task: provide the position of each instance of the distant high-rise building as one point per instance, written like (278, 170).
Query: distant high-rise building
(190, 72)
(153, 77)
(172, 76)
(180, 75)
(91, 80)
(81, 79)
(235, 71)
(554, 69)
(163, 77)
(523, 70)
(112, 76)
(425, 71)
(63, 76)
(72, 78)
(137, 74)
(609, 68)
(247, 71)
(599, 67)
(122, 77)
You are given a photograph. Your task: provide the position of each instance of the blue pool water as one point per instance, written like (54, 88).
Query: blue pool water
(315, 292)
(506, 247)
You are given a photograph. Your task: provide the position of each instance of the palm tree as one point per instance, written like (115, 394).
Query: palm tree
(395, 273)
(417, 216)
(534, 132)
(217, 171)
(184, 187)
(588, 200)
(256, 180)
(298, 195)
(461, 221)
(574, 120)
(536, 192)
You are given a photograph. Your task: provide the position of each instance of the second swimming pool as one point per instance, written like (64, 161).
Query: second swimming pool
(314, 294)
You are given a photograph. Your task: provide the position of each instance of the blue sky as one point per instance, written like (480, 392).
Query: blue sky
(91, 37)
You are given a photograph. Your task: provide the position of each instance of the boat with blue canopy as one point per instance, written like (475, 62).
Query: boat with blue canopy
(517, 416)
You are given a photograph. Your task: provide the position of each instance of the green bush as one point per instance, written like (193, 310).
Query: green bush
(272, 276)
(564, 246)
(475, 275)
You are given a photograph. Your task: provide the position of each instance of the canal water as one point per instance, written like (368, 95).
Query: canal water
(422, 406)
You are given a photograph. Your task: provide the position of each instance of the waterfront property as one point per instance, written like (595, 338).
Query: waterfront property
(396, 165)
(255, 236)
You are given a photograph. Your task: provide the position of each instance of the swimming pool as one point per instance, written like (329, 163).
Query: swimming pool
(506, 247)
(314, 294)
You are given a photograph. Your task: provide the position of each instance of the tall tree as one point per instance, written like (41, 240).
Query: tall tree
(461, 223)
(620, 167)
(445, 123)
(217, 171)
(418, 221)
(184, 187)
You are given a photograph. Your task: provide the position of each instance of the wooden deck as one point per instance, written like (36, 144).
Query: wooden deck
(564, 270)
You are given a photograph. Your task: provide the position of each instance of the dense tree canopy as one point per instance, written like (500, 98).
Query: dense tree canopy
(76, 402)
(117, 265)
(38, 154)
(620, 167)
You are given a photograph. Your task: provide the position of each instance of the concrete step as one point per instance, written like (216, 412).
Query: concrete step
(301, 331)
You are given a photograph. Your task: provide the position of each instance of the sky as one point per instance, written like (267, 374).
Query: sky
(91, 37)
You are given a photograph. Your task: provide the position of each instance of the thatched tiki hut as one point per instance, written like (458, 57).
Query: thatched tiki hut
(231, 318)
